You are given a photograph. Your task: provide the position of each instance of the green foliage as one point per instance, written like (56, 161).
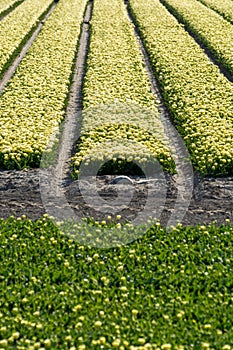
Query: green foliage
(163, 291)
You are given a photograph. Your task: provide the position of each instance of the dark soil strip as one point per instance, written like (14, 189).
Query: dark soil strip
(212, 197)
(26, 42)
(20, 194)
(6, 12)
(212, 55)
(217, 11)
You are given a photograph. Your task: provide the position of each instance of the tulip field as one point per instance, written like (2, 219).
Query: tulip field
(32, 105)
(222, 7)
(7, 6)
(168, 289)
(13, 36)
(124, 89)
(163, 291)
(193, 87)
(198, 96)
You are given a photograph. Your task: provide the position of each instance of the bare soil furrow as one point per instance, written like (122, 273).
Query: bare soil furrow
(211, 200)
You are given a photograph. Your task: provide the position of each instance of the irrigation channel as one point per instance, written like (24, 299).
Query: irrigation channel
(190, 199)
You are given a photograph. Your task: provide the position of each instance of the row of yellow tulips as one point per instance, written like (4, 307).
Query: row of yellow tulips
(17, 27)
(197, 94)
(33, 104)
(6, 6)
(223, 7)
(120, 118)
(211, 28)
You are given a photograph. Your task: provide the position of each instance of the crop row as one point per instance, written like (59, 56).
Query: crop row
(197, 94)
(120, 118)
(223, 7)
(7, 6)
(33, 104)
(161, 292)
(212, 29)
(17, 27)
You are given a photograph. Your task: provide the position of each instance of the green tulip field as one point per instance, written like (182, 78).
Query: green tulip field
(168, 289)
(163, 291)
